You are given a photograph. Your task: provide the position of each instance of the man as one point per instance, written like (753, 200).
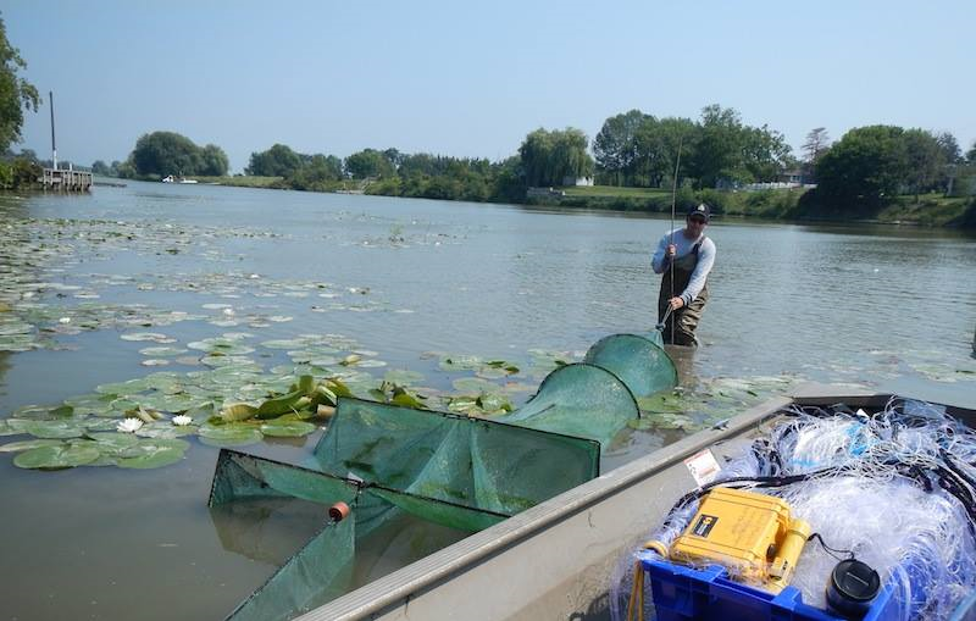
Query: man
(685, 257)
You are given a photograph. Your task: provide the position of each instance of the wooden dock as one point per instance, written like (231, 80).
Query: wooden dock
(57, 180)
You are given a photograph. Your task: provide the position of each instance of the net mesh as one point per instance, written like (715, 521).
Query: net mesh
(581, 400)
(640, 362)
(454, 471)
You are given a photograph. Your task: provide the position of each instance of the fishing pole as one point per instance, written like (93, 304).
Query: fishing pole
(674, 196)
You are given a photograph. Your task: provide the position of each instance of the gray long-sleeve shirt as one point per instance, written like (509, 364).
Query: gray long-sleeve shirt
(706, 259)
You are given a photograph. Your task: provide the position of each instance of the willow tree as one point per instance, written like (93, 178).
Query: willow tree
(548, 157)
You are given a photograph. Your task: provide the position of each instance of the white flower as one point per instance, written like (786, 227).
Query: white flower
(65, 320)
(129, 425)
(229, 311)
(182, 420)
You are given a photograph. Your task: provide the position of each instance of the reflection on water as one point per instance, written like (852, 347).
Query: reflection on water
(886, 307)
(272, 530)
(268, 530)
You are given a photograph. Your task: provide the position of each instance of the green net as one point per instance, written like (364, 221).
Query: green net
(469, 462)
(324, 567)
(388, 462)
(640, 362)
(579, 399)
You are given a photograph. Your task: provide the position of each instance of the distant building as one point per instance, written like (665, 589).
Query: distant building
(577, 181)
(792, 176)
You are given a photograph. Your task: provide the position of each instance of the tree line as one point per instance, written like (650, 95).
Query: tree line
(640, 150)
(869, 166)
(858, 174)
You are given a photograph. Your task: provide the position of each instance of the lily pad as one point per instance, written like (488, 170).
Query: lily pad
(403, 377)
(147, 336)
(26, 445)
(159, 352)
(114, 441)
(57, 457)
(12, 427)
(287, 429)
(166, 431)
(54, 428)
(475, 385)
(461, 363)
(152, 453)
(662, 402)
(230, 435)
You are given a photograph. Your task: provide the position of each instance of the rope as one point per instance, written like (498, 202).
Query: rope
(664, 322)
(636, 595)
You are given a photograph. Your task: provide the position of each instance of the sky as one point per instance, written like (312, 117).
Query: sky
(471, 79)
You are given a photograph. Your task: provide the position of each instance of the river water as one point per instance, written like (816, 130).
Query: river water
(406, 283)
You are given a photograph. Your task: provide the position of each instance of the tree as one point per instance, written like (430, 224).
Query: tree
(765, 153)
(719, 147)
(549, 157)
(368, 163)
(925, 161)
(950, 147)
(166, 153)
(319, 174)
(971, 155)
(862, 170)
(613, 146)
(101, 168)
(509, 180)
(394, 157)
(818, 141)
(278, 161)
(16, 93)
(214, 162)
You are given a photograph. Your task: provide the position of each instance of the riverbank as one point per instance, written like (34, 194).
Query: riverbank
(929, 210)
(243, 181)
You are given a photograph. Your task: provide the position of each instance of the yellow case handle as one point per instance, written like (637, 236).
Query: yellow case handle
(783, 565)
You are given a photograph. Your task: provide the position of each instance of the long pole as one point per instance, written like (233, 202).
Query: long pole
(674, 198)
(54, 146)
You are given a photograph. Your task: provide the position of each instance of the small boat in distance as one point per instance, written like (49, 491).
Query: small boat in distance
(180, 179)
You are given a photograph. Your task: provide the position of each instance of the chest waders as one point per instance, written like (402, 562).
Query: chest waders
(684, 321)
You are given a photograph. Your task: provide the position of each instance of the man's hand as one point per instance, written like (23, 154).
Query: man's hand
(676, 303)
(671, 251)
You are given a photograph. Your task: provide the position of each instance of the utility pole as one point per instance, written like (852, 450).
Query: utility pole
(54, 146)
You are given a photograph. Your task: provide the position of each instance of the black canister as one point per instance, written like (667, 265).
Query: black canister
(852, 587)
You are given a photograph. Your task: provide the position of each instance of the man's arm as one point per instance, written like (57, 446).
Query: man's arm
(659, 262)
(706, 259)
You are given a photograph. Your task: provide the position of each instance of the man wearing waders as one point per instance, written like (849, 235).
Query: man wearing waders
(685, 257)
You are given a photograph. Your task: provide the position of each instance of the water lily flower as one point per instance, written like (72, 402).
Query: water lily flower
(228, 311)
(129, 425)
(64, 320)
(182, 420)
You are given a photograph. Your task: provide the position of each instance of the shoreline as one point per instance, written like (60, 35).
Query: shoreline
(776, 205)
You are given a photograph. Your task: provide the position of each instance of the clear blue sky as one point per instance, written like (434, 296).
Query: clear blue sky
(471, 79)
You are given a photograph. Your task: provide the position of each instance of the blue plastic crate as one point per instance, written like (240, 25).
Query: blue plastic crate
(681, 593)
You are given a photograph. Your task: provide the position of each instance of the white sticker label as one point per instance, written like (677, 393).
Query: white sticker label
(703, 467)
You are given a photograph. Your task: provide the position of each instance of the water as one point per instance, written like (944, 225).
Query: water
(890, 308)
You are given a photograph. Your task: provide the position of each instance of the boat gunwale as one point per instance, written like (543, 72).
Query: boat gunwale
(397, 588)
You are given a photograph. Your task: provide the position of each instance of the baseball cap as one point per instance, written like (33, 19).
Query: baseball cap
(701, 210)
